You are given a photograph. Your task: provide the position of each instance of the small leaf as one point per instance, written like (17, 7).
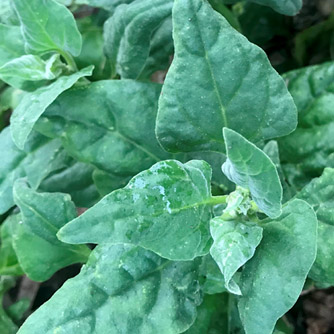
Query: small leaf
(251, 168)
(34, 104)
(234, 243)
(48, 26)
(319, 193)
(6, 324)
(170, 201)
(30, 68)
(146, 294)
(127, 46)
(43, 214)
(40, 157)
(226, 72)
(272, 280)
(285, 7)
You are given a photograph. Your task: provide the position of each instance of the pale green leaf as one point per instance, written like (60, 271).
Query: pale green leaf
(285, 7)
(146, 295)
(169, 201)
(48, 26)
(319, 193)
(234, 243)
(109, 5)
(34, 104)
(40, 157)
(7, 13)
(30, 68)
(251, 168)
(225, 72)
(12, 44)
(39, 252)
(128, 46)
(272, 280)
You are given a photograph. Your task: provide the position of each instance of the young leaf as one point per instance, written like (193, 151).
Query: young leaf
(273, 279)
(12, 44)
(251, 168)
(234, 243)
(40, 157)
(127, 46)
(285, 7)
(146, 294)
(118, 139)
(319, 193)
(171, 200)
(48, 26)
(34, 104)
(9, 264)
(30, 68)
(43, 214)
(226, 72)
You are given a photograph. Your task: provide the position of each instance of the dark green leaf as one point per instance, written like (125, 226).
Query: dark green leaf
(34, 237)
(34, 104)
(146, 295)
(251, 168)
(273, 279)
(170, 201)
(230, 71)
(6, 324)
(286, 7)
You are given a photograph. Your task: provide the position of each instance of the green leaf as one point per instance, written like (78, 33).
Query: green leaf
(30, 68)
(105, 4)
(127, 46)
(34, 104)
(146, 295)
(212, 316)
(48, 26)
(251, 168)
(171, 200)
(226, 72)
(16, 311)
(75, 179)
(6, 324)
(311, 147)
(272, 280)
(12, 44)
(9, 264)
(118, 139)
(7, 13)
(234, 243)
(319, 193)
(40, 157)
(285, 7)
(43, 214)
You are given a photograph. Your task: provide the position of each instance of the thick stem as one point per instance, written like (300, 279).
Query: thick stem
(214, 200)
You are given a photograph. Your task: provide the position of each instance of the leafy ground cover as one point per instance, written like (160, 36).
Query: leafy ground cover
(167, 166)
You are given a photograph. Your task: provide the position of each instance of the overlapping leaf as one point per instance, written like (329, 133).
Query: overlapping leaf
(273, 279)
(169, 202)
(146, 294)
(233, 85)
(251, 168)
(39, 251)
(285, 7)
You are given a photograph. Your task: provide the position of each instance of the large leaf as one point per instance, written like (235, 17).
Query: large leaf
(119, 138)
(9, 264)
(251, 168)
(273, 279)
(146, 295)
(48, 26)
(40, 157)
(311, 147)
(12, 45)
(234, 243)
(170, 201)
(34, 104)
(285, 7)
(232, 85)
(43, 214)
(320, 195)
(127, 46)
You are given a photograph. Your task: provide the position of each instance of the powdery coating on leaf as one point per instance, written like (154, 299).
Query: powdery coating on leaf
(165, 209)
(272, 280)
(218, 79)
(251, 168)
(146, 295)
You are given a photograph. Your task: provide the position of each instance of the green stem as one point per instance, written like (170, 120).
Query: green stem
(214, 200)
(69, 60)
